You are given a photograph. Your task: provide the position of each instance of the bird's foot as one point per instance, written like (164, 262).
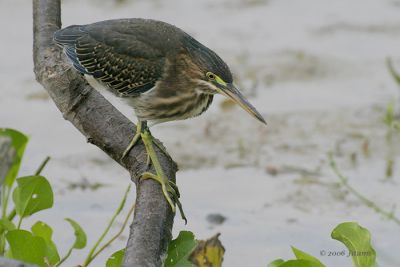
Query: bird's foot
(141, 126)
(135, 139)
(170, 190)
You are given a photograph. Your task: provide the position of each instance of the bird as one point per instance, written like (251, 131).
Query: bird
(162, 72)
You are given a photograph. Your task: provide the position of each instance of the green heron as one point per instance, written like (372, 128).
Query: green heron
(161, 71)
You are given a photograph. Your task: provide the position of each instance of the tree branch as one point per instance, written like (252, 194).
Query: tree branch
(104, 126)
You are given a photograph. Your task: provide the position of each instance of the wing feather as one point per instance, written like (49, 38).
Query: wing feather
(126, 65)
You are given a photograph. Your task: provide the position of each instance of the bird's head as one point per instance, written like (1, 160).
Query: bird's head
(228, 89)
(216, 77)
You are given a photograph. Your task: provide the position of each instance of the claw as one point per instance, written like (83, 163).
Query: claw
(166, 191)
(178, 203)
(148, 161)
(176, 190)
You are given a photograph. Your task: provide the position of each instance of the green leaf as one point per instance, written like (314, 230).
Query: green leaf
(44, 231)
(115, 260)
(358, 241)
(80, 236)
(19, 141)
(180, 249)
(26, 247)
(32, 194)
(276, 263)
(301, 255)
(6, 225)
(299, 263)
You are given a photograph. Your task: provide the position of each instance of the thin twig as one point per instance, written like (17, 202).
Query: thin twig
(344, 181)
(65, 257)
(41, 167)
(117, 234)
(20, 222)
(90, 256)
(392, 71)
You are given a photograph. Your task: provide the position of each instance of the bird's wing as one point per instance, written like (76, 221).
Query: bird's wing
(125, 64)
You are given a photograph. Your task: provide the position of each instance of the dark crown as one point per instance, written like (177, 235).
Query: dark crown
(207, 58)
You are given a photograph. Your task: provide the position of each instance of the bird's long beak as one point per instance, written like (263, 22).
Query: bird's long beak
(230, 91)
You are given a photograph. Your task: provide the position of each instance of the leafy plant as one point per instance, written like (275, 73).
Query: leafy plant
(31, 195)
(44, 231)
(94, 252)
(186, 251)
(115, 260)
(80, 240)
(24, 246)
(180, 249)
(18, 141)
(302, 259)
(357, 240)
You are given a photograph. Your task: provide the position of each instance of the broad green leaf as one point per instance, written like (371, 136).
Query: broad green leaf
(301, 255)
(44, 231)
(19, 141)
(180, 249)
(26, 247)
(32, 194)
(6, 225)
(299, 263)
(80, 236)
(276, 263)
(358, 241)
(209, 253)
(115, 260)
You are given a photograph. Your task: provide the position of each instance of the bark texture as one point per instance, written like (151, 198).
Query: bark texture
(104, 126)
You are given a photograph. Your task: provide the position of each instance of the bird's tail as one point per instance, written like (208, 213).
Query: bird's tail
(68, 35)
(67, 39)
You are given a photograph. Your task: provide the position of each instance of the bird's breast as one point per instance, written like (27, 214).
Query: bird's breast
(152, 107)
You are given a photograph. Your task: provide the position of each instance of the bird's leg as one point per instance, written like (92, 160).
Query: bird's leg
(160, 147)
(135, 138)
(170, 190)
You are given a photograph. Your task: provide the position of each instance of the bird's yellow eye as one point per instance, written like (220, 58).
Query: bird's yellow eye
(210, 76)
(215, 78)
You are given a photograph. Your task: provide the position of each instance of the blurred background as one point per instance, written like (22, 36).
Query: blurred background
(316, 71)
